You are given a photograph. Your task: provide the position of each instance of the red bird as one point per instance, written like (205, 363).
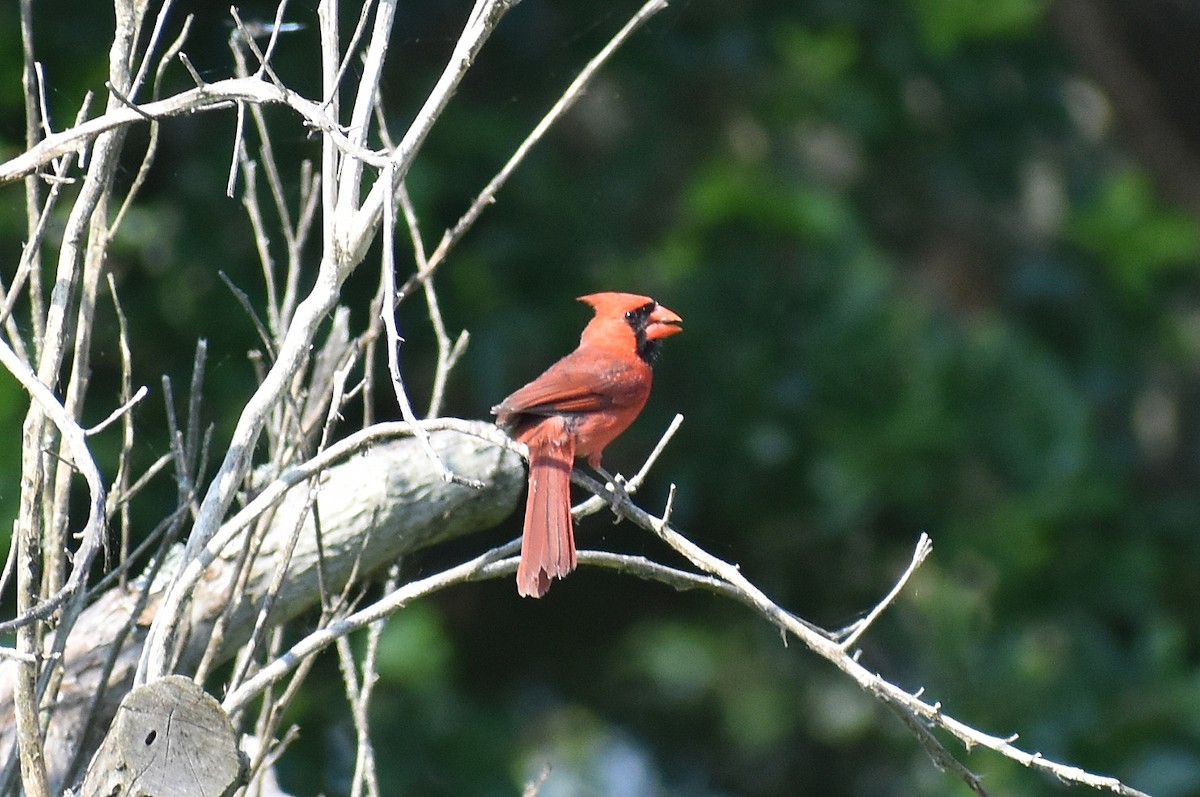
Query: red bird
(575, 409)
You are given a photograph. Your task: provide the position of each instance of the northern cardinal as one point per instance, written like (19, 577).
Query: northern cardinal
(575, 409)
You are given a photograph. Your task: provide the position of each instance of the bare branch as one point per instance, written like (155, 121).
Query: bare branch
(484, 18)
(394, 340)
(210, 96)
(318, 640)
(598, 502)
(148, 55)
(364, 102)
(118, 413)
(358, 693)
(923, 549)
(488, 195)
(823, 644)
(152, 147)
(448, 353)
(93, 532)
(264, 61)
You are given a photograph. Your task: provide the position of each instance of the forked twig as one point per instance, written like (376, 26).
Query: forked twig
(923, 549)
(597, 502)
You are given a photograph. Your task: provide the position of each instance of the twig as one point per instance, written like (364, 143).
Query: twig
(128, 103)
(183, 479)
(488, 195)
(598, 502)
(159, 23)
(209, 96)
(649, 570)
(248, 307)
(119, 412)
(923, 549)
(152, 146)
(352, 46)
(187, 64)
(393, 346)
(937, 752)
(356, 236)
(239, 149)
(822, 643)
(447, 353)
(262, 244)
(322, 638)
(117, 500)
(350, 182)
(81, 457)
(264, 61)
(359, 693)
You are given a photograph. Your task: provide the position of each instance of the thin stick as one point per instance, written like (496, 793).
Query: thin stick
(116, 414)
(120, 483)
(488, 195)
(239, 149)
(93, 531)
(356, 236)
(264, 62)
(322, 638)
(210, 96)
(352, 47)
(159, 24)
(359, 693)
(598, 502)
(923, 549)
(368, 88)
(152, 147)
(393, 349)
(447, 353)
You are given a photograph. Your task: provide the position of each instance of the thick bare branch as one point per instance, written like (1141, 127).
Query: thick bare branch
(211, 96)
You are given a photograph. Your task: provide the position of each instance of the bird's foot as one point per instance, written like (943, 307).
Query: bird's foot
(615, 485)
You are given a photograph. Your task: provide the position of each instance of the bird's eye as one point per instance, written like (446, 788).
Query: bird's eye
(641, 312)
(638, 316)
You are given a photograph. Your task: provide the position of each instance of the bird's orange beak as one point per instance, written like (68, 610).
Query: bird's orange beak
(663, 322)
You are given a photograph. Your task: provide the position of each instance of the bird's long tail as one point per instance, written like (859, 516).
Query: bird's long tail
(548, 541)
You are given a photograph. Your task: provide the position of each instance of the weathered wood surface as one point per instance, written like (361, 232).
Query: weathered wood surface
(169, 739)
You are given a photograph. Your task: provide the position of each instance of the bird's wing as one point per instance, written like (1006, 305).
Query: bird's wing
(583, 381)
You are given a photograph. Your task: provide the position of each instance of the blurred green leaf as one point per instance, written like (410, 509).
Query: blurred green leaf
(1140, 239)
(949, 24)
(414, 649)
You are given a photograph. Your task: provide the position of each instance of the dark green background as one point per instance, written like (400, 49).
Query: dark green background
(926, 286)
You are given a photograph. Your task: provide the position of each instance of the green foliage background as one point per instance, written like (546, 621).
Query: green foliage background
(923, 287)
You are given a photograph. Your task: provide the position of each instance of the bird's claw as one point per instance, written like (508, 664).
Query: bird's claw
(615, 486)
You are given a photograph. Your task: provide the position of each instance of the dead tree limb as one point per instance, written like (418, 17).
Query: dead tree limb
(374, 507)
